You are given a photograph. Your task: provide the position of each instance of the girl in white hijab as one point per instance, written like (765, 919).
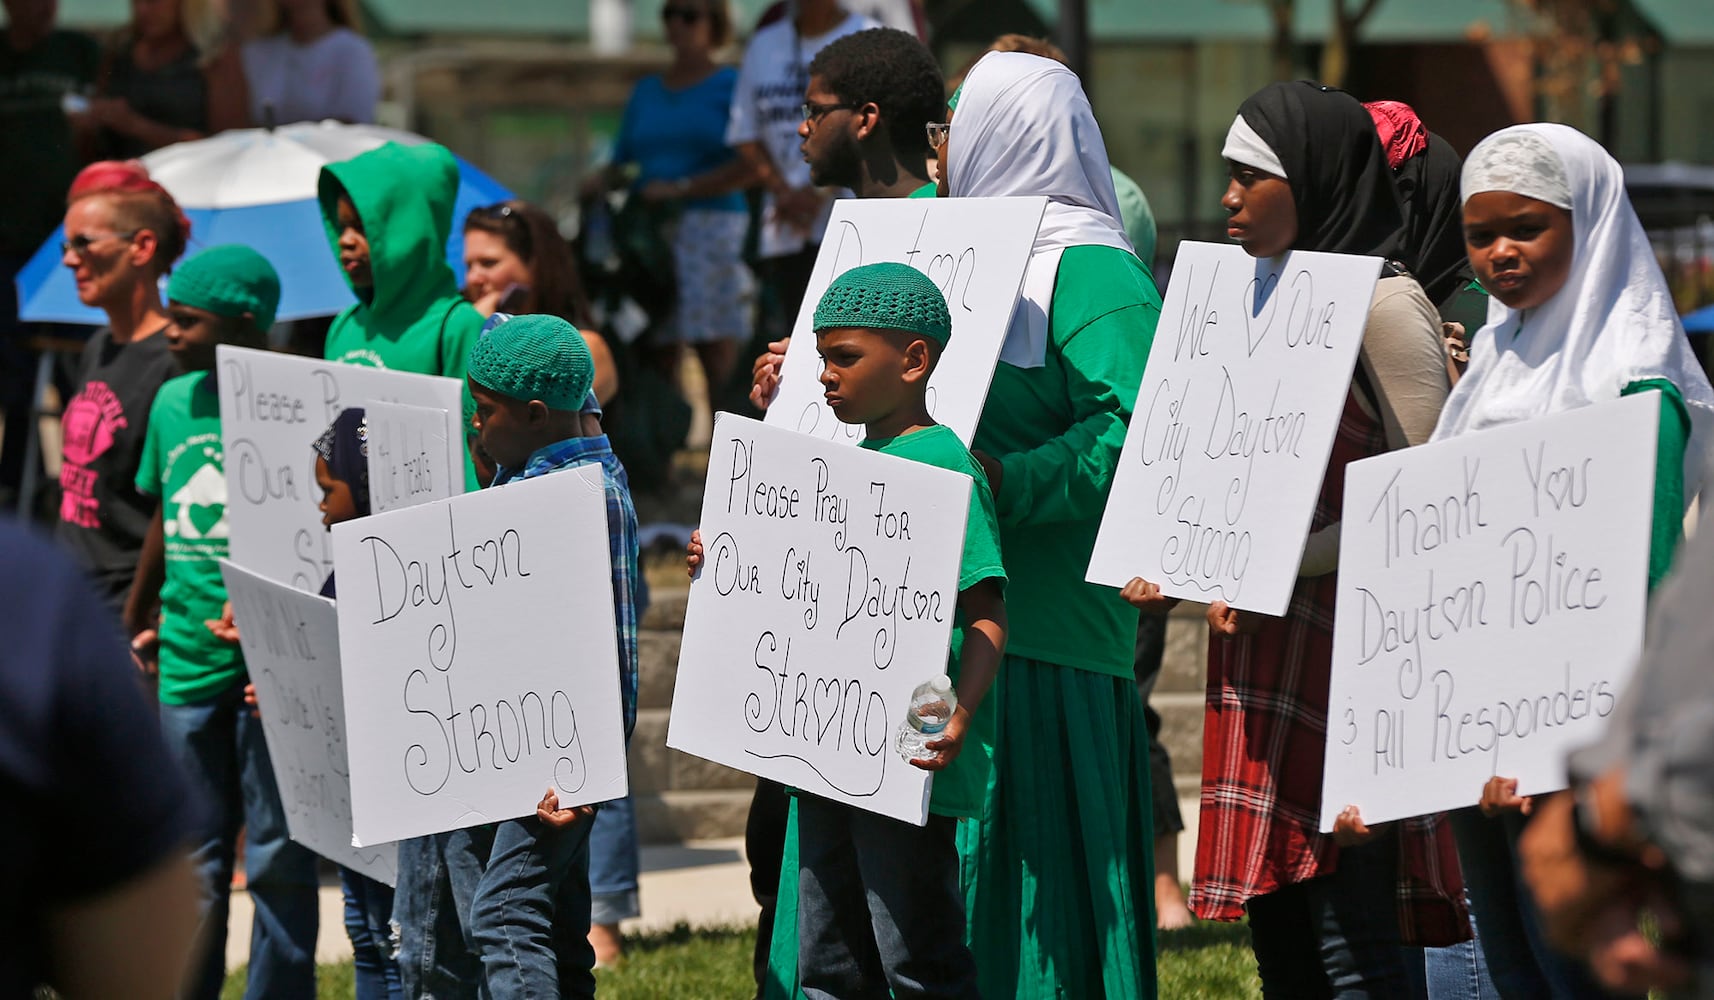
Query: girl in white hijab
(1580, 314)
(1062, 874)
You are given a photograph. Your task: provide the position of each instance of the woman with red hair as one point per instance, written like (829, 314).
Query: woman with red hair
(123, 232)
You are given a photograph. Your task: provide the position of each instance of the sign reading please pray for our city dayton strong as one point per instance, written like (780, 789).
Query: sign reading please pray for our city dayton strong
(1234, 423)
(826, 595)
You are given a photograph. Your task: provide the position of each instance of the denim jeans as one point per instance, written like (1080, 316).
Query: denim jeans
(536, 882)
(613, 863)
(369, 925)
(219, 744)
(438, 876)
(1501, 907)
(1336, 936)
(879, 906)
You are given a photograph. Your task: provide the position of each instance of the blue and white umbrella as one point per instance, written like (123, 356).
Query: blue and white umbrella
(256, 187)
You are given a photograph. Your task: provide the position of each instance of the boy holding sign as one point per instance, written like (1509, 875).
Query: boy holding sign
(879, 899)
(529, 377)
(224, 295)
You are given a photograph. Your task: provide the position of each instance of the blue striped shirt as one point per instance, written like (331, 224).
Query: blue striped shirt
(628, 599)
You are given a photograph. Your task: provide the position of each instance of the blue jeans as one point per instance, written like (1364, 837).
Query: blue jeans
(438, 875)
(536, 884)
(879, 906)
(1336, 936)
(219, 745)
(1460, 971)
(1501, 907)
(369, 925)
(613, 863)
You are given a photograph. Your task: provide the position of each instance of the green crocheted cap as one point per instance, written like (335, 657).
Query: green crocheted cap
(535, 357)
(228, 280)
(886, 296)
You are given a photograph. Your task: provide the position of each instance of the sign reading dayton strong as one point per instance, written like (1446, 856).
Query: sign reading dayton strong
(1235, 418)
(1491, 602)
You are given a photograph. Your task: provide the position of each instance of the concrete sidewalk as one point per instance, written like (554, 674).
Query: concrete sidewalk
(701, 883)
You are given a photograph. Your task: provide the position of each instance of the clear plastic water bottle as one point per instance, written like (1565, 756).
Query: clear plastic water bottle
(932, 704)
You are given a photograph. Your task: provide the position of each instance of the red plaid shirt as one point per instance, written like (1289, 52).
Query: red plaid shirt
(1264, 737)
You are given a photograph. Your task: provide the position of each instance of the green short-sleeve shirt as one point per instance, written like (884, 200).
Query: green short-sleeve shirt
(182, 464)
(959, 790)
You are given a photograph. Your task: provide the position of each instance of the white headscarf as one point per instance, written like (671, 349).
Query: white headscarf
(1024, 127)
(1612, 324)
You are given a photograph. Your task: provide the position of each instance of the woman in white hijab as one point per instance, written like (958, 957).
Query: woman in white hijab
(1580, 314)
(1063, 879)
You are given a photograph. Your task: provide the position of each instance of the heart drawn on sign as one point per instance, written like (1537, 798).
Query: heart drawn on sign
(824, 719)
(1258, 291)
(492, 549)
(1558, 487)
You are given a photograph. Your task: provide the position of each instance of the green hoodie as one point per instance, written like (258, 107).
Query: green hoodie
(412, 318)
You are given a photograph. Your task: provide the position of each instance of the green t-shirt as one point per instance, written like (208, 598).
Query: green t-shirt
(1056, 431)
(959, 790)
(182, 465)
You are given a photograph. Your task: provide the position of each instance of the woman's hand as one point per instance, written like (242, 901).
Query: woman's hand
(1225, 620)
(1146, 596)
(765, 373)
(1500, 795)
(1349, 831)
(146, 651)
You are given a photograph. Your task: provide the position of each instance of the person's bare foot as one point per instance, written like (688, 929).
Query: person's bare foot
(1171, 912)
(609, 946)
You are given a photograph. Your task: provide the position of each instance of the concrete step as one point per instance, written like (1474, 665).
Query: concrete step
(673, 817)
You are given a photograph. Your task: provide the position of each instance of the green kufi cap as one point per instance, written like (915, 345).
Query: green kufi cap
(886, 296)
(228, 280)
(535, 357)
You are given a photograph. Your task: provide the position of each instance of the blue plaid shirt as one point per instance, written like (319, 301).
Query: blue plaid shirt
(628, 594)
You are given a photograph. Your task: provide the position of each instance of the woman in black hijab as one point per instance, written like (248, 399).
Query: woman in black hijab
(1328, 913)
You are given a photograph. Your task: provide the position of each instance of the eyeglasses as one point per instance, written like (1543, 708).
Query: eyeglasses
(813, 112)
(937, 132)
(683, 15)
(81, 243)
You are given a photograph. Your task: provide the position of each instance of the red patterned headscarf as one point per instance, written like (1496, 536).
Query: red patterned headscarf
(1402, 133)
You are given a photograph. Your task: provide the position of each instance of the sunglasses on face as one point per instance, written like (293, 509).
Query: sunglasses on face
(937, 132)
(81, 243)
(683, 15)
(814, 112)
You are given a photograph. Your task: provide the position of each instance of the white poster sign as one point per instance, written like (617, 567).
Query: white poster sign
(291, 646)
(485, 666)
(272, 408)
(974, 249)
(409, 456)
(1234, 422)
(827, 593)
(1491, 605)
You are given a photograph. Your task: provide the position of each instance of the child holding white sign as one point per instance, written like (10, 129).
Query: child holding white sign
(879, 899)
(224, 295)
(529, 378)
(1581, 314)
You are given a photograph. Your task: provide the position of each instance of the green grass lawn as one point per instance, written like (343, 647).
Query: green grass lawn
(1210, 961)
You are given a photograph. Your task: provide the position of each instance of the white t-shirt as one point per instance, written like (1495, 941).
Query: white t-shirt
(767, 107)
(334, 76)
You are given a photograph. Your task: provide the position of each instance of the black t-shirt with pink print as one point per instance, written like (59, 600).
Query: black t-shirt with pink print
(102, 516)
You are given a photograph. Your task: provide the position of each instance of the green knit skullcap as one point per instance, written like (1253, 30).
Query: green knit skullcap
(886, 296)
(535, 357)
(228, 280)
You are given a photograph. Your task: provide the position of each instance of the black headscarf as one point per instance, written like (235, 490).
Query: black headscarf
(345, 448)
(1340, 181)
(1434, 219)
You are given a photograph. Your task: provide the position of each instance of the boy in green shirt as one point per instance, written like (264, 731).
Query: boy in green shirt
(224, 295)
(879, 900)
